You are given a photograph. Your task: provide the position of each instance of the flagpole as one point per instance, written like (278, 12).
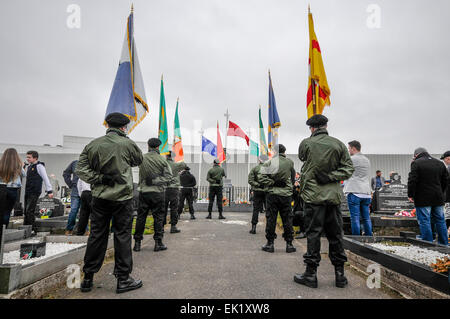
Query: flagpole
(227, 116)
(201, 158)
(248, 159)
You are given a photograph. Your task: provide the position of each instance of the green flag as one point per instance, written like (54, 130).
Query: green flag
(254, 149)
(163, 133)
(262, 137)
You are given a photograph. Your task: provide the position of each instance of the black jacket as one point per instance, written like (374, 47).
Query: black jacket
(71, 178)
(427, 181)
(187, 179)
(447, 199)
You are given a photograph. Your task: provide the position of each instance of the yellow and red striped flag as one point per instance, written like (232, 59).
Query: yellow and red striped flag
(318, 90)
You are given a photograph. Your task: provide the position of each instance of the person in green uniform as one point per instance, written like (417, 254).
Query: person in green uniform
(154, 175)
(258, 190)
(215, 178)
(172, 193)
(106, 164)
(326, 163)
(278, 175)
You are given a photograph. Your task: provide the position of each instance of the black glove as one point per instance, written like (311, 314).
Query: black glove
(279, 184)
(108, 180)
(323, 178)
(119, 180)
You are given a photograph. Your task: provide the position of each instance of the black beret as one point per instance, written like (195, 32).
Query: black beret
(154, 142)
(446, 154)
(116, 120)
(281, 148)
(187, 168)
(317, 120)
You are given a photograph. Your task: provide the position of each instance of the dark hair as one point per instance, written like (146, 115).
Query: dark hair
(34, 154)
(378, 171)
(355, 144)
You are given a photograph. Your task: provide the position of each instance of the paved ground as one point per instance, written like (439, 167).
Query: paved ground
(220, 259)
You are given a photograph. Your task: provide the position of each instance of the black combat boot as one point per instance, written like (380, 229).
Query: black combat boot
(289, 247)
(87, 283)
(253, 230)
(341, 280)
(137, 245)
(127, 283)
(209, 216)
(174, 229)
(308, 278)
(269, 246)
(159, 245)
(221, 216)
(192, 216)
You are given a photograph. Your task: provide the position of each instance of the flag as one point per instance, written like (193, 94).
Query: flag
(318, 94)
(163, 134)
(209, 147)
(128, 94)
(235, 130)
(274, 120)
(254, 149)
(220, 152)
(177, 146)
(262, 136)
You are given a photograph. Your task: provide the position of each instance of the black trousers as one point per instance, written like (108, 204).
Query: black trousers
(282, 204)
(171, 201)
(85, 212)
(153, 201)
(102, 213)
(259, 199)
(186, 194)
(328, 219)
(30, 208)
(215, 191)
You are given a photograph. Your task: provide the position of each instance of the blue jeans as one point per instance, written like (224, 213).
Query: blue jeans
(74, 206)
(359, 207)
(428, 215)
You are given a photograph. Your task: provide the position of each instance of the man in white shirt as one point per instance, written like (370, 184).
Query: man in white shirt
(358, 190)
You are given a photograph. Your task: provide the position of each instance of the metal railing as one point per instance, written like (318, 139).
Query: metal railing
(234, 194)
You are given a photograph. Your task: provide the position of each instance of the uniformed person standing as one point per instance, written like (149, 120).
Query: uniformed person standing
(278, 176)
(154, 175)
(259, 192)
(188, 182)
(106, 163)
(215, 178)
(172, 193)
(326, 163)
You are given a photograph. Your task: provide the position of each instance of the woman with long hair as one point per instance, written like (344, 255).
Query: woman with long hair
(11, 174)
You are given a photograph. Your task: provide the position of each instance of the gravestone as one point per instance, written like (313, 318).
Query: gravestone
(344, 204)
(392, 198)
(49, 207)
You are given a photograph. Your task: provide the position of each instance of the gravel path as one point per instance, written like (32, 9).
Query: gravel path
(421, 255)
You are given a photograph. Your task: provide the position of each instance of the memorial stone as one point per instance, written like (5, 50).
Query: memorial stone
(49, 207)
(393, 197)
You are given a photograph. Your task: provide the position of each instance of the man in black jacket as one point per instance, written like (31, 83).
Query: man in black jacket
(427, 183)
(71, 180)
(188, 182)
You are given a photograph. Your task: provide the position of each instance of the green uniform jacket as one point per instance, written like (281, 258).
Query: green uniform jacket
(176, 169)
(111, 154)
(321, 152)
(215, 175)
(278, 169)
(154, 164)
(253, 179)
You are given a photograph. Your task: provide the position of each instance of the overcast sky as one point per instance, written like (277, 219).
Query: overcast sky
(390, 86)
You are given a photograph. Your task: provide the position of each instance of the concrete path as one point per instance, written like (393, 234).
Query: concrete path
(220, 259)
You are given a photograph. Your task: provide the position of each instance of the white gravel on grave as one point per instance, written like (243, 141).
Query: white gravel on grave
(416, 253)
(235, 222)
(52, 249)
